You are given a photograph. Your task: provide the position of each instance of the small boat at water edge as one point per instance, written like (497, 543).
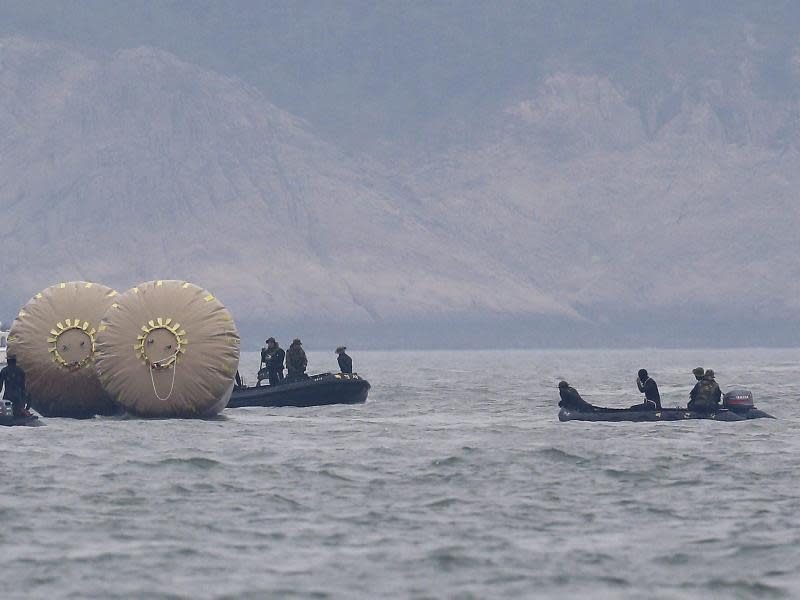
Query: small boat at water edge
(316, 390)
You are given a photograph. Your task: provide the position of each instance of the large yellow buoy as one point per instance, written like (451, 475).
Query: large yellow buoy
(168, 349)
(53, 338)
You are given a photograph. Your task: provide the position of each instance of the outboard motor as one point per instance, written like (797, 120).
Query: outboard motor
(738, 400)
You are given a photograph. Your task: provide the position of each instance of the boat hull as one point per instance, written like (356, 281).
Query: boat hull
(317, 390)
(665, 414)
(10, 421)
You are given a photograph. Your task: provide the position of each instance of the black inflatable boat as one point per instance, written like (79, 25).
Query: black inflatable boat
(316, 390)
(665, 414)
(737, 405)
(7, 418)
(11, 421)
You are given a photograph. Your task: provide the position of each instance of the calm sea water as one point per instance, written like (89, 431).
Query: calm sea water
(455, 480)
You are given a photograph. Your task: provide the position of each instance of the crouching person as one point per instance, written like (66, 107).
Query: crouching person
(571, 399)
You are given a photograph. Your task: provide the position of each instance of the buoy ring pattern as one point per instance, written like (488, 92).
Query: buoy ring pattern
(69, 325)
(146, 339)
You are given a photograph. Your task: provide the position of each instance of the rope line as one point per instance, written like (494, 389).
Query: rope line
(172, 384)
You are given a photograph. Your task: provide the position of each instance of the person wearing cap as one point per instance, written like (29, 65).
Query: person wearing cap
(345, 362)
(296, 361)
(571, 399)
(272, 356)
(698, 373)
(647, 385)
(12, 379)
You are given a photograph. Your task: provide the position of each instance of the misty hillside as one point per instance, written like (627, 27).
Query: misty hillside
(694, 216)
(415, 173)
(139, 166)
(408, 72)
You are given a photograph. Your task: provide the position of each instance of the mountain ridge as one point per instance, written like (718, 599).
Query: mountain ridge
(125, 159)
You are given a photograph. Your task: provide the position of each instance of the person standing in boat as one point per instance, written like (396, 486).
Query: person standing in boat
(274, 360)
(571, 399)
(296, 361)
(345, 362)
(647, 385)
(12, 378)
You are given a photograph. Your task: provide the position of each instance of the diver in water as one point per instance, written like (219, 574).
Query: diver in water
(571, 399)
(13, 379)
(345, 362)
(296, 361)
(647, 385)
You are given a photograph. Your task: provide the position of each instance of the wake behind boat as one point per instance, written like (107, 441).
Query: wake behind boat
(316, 390)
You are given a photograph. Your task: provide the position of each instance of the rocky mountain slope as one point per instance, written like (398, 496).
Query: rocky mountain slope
(695, 215)
(137, 166)
(581, 208)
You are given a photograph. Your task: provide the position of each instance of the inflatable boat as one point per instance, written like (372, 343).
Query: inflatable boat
(316, 390)
(737, 405)
(7, 418)
(11, 421)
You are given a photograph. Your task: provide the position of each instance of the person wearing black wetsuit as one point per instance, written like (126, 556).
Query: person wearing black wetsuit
(345, 362)
(273, 356)
(647, 385)
(571, 399)
(275, 364)
(12, 378)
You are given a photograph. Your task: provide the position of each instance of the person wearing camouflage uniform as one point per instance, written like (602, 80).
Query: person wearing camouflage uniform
(296, 361)
(698, 373)
(706, 395)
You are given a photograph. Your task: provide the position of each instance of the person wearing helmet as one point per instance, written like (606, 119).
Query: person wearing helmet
(647, 385)
(571, 399)
(698, 373)
(296, 361)
(716, 392)
(12, 379)
(706, 394)
(345, 362)
(709, 395)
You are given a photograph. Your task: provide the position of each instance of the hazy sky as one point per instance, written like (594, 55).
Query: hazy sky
(362, 70)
